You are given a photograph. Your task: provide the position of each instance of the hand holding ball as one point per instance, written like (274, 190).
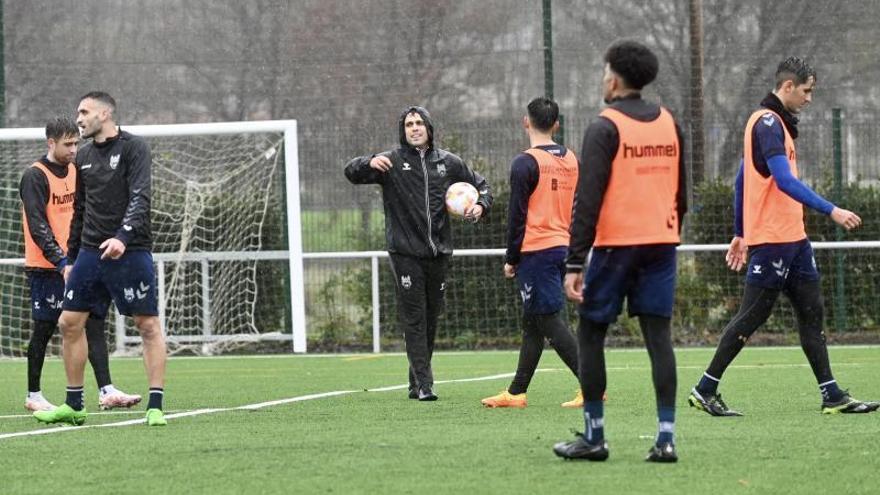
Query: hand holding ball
(460, 198)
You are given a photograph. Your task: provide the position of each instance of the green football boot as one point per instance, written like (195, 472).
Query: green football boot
(62, 414)
(710, 403)
(155, 417)
(846, 405)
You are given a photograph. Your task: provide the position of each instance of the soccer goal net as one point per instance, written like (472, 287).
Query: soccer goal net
(220, 234)
(261, 241)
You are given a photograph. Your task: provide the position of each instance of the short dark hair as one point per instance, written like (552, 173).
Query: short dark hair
(543, 113)
(794, 69)
(61, 127)
(103, 97)
(634, 62)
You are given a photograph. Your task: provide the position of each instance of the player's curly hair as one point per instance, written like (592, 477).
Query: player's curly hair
(61, 127)
(794, 69)
(634, 62)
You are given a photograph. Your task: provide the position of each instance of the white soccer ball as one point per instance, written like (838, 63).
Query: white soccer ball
(460, 197)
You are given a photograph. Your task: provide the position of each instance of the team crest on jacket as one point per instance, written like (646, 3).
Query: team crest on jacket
(406, 281)
(441, 169)
(114, 161)
(129, 293)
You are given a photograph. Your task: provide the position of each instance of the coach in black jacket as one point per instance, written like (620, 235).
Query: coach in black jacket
(414, 179)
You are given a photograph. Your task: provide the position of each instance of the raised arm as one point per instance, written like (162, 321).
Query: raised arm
(369, 169)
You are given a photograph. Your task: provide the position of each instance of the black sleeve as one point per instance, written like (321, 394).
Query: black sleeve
(524, 175)
(594, 171)
(34, 192)
(74, 241)
(681, 199)
(465, 174)
(137, 214)
(359, 171)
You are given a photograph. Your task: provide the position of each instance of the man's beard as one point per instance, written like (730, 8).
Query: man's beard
(61, 159)
(89, 132)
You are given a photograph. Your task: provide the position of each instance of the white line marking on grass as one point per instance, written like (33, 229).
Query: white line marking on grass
(246, 407)
(260, 405)
(460, 380)
(364, 357)
(438, 353)
(102, 413)
(62, 429)
(337, 393)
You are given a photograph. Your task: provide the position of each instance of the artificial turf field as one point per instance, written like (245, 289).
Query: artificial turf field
(381, 442)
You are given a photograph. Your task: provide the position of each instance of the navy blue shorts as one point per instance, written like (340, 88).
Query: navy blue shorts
(644, 275)
(130, 281)
(772, 265)
(47, 296)
(540, 275)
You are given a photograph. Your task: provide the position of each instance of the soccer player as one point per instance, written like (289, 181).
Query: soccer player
(414, 178)
(769, 225)
(542, 184)
(47, 189)
(629, 204)
(110, 242)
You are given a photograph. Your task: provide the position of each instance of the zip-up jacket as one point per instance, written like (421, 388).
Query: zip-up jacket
(35, 196)
(414, 193)
(113, 194)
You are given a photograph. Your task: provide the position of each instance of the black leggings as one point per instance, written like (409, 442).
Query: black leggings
(757, 304)
(535, 329)
(658, 340)
(41, 335)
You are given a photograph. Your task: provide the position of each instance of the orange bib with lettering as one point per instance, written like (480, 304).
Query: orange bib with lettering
(549, 213)
(59, 211)
(640, 203)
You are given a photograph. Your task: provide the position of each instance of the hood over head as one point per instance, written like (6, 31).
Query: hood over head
(429, 124)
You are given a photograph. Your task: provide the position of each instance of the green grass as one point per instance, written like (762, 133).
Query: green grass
(337, 230)
(380, 442)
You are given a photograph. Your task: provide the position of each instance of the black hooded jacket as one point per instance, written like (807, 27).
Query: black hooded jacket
(113, 194)
(414, 192)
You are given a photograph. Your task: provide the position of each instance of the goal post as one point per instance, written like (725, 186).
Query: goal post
(260, 240)
(223, 196)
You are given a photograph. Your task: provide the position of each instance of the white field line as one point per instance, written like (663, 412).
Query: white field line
(101, 413)
(247, 407)
(337, 393)
(359, 356)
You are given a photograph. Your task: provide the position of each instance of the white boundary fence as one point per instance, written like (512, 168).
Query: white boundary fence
(299, 330)
(295, 255)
